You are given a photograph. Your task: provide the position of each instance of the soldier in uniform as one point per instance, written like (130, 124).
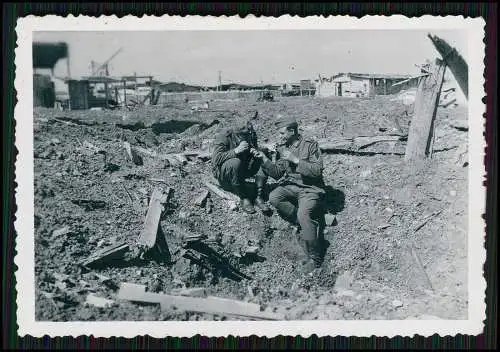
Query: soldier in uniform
(232, 163)
(300, 194)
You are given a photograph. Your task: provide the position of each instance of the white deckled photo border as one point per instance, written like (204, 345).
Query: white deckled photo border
(24, 177)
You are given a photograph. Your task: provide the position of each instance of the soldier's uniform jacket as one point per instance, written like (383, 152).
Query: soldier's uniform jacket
(308, 173)
(223, 147)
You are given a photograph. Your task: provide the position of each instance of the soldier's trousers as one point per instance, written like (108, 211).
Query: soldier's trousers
(300, 206)
(233, 172)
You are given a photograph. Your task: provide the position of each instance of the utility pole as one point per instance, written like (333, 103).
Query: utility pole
(220, 81)
(106, 84)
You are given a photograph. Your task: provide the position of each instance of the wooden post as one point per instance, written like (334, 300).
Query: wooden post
(124, 93)
(135, 88)
(426, 101)
(151, 90)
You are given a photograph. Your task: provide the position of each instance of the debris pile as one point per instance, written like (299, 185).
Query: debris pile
(131, 225)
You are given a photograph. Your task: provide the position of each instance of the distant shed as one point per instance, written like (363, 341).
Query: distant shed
(79, 94)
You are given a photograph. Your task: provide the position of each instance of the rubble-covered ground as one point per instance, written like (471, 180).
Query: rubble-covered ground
(381, 264)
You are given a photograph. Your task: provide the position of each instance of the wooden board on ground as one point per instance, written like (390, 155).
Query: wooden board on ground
(220, 192)
(106, 255)
(210, 305)
(132, 154)
(148, 235)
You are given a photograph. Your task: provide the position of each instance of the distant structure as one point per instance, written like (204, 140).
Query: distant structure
(45, 57)
(363, 85)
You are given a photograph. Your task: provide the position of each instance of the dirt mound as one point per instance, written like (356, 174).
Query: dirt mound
(89, 195)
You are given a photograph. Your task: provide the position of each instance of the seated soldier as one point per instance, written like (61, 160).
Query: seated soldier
(232, 163)
(300, 194)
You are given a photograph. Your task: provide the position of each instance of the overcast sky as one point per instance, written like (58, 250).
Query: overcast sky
(272, 56)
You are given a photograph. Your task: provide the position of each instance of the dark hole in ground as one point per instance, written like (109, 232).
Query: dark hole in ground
(172, 126)
(133, 127)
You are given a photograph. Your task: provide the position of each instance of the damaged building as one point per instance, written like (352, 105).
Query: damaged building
(363, 85)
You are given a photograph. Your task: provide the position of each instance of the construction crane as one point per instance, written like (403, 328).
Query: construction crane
(105, 64)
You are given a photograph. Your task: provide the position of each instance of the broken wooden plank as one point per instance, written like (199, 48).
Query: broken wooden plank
(408, 80)
(447, 103)
(420, 265)
(363, 142)
(132, 154)
(202, 199)
(168, 157)
(426, 220)
(460, 125)
(148, 234)
(61, 232)
(107, 254)
(221, 193)
(356, 142)
(458, 66)
(209, 305)
(89, 204)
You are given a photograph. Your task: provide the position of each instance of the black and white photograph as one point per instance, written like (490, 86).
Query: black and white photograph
(251, 176)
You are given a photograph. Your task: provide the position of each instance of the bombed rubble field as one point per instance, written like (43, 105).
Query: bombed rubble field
(398, 243)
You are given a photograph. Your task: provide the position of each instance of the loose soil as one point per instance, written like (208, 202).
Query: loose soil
(371, 270)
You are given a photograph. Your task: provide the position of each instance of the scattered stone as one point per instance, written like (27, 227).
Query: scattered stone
(397, 303)
(100, 302)
(453, 193)
(61, 232)
(344, 281)
(252, 250)
(366, 173)
(55, 141)
(233, 206)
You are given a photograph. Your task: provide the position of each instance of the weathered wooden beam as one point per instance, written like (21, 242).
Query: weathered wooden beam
(147, 237)
(458, 66)
(221, 193)
(356, 142)
(106, 255)
(408, 80)
(210, 305)
(168, 157)
(132, 154)
(422, 124)
(201, 199)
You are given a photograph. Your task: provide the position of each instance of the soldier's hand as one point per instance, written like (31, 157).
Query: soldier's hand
(242, 147)
(287, 155)
(259, 154)
(256, 153)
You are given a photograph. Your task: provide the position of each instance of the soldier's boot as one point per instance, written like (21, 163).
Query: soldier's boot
(245, 203)
(247, 206)
(259, 201)
(315, 248)
(315, 252)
